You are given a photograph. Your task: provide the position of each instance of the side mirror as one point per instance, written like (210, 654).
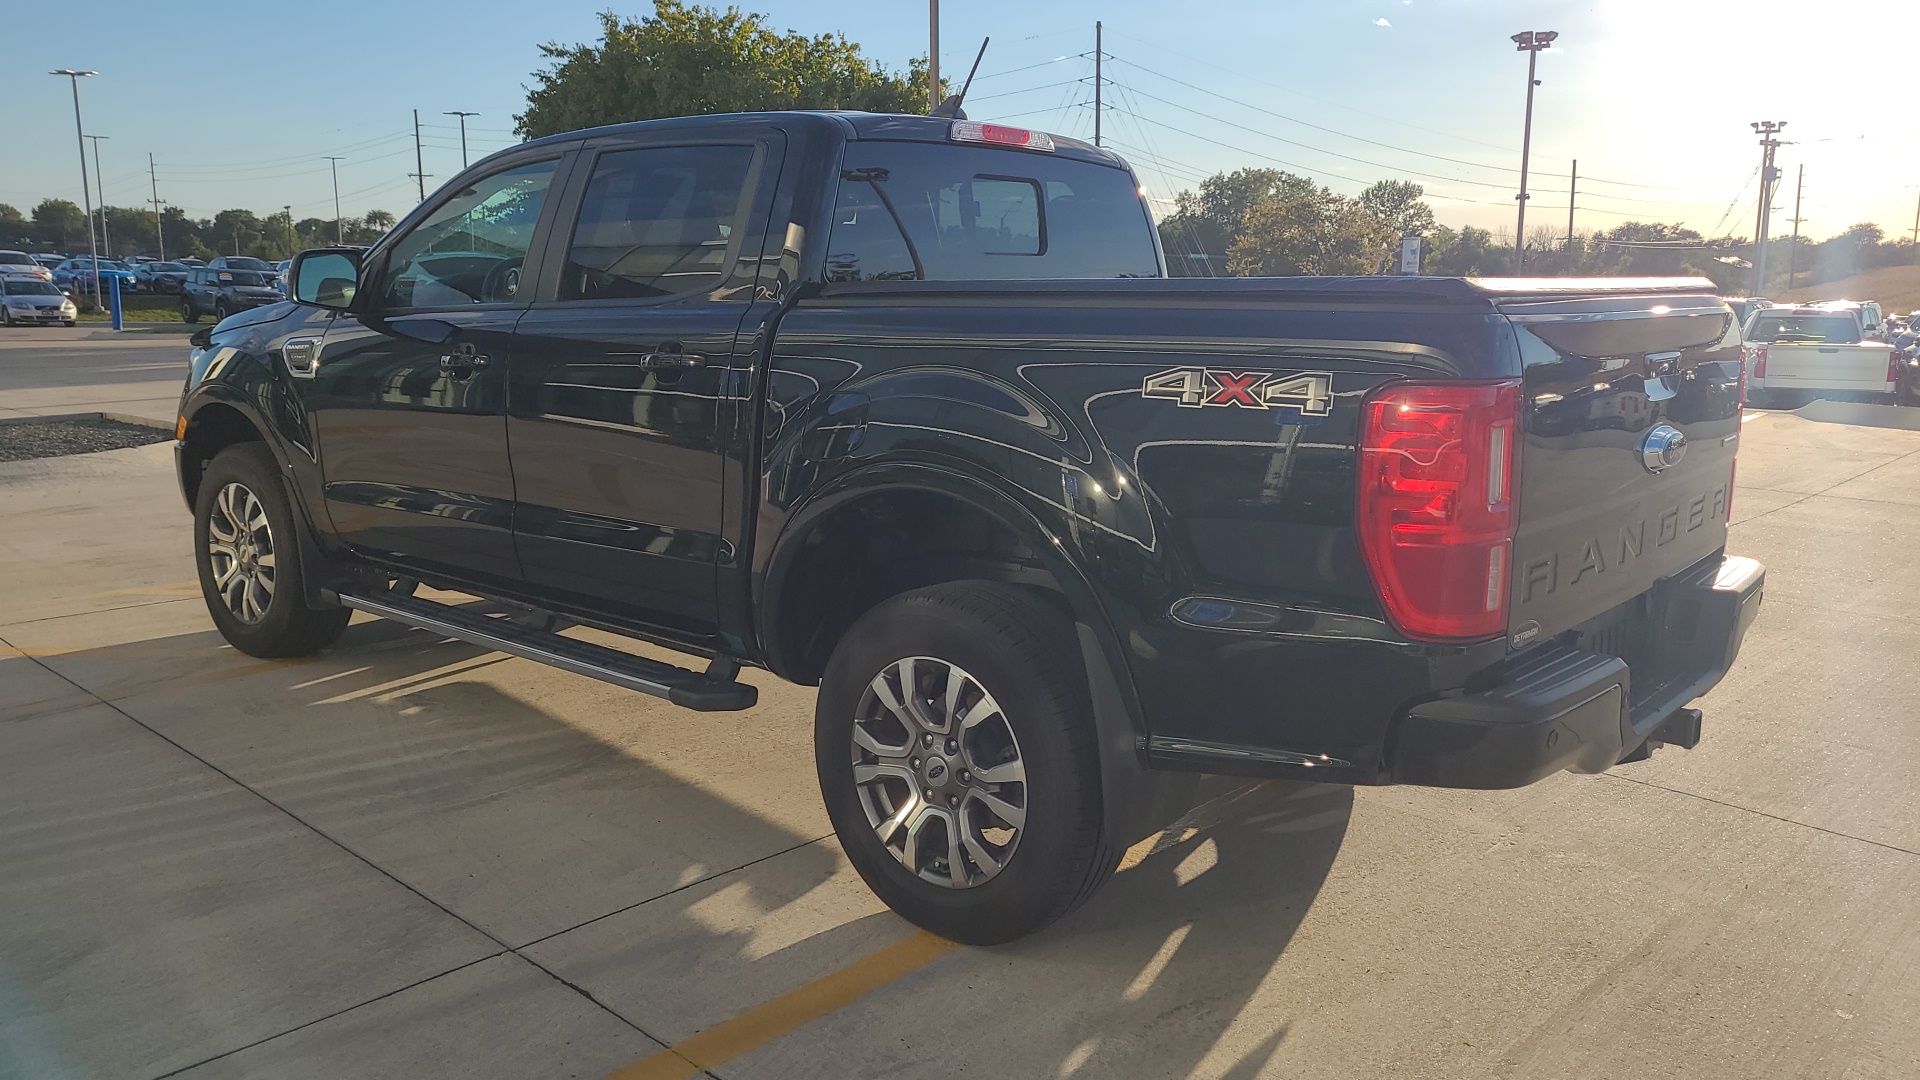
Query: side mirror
(326, 277)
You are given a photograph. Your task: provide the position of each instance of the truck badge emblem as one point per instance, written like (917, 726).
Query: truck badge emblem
(1310, 392)
(1663, 448)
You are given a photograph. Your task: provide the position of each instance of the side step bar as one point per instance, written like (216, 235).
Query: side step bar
(709, 692)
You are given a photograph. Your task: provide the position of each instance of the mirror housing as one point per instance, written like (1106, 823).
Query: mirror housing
(325, 277)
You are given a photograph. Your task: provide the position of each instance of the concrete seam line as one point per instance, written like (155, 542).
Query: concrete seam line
(95, 611)
(336, 842)
(336, 1012)
(1763, 813)
(1829, 487)
(764, 1023)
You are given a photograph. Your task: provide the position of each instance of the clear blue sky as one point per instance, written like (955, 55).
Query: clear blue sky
(238, 102)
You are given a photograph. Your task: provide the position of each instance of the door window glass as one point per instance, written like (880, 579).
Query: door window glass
(657, 221)
(470, 250)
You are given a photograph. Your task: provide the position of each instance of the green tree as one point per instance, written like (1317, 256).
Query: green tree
(1309, 231)
(1469, 252)
(691, 60)
(59, 223)
(1398, 204)
(1208, 221)
(13, 226)
(233, 232)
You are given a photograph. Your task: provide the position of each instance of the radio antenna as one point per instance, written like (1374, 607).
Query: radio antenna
(950, 108)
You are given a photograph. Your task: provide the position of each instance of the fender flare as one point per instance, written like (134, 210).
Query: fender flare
(1135, 800)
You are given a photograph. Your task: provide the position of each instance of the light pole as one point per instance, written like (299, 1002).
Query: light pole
(463, 132)
(86, 192)
(339, 229)
(293, 238)
(100, 185)
(1766, 129)
(1529, 42)
(933, 55)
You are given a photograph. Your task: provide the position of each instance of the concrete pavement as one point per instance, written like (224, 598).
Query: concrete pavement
(407, 857)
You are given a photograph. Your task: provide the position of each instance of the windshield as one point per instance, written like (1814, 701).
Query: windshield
(11, 258)
(241, 263)
(30, 287)
(241, 277)
(166, 268)
(1806, 330)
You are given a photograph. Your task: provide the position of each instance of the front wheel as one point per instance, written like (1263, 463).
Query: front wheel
(249, 560)
(220, 311)
(957, 759)
(188, 313)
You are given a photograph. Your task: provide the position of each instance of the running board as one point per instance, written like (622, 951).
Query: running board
(688, 689)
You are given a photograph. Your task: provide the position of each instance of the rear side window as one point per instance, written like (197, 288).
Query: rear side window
(927, 212)
(1806, 329)
(657, 221)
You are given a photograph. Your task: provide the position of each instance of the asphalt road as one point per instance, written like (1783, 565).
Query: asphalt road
(409, 857)
(49, 369)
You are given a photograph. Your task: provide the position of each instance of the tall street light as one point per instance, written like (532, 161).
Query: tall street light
(463, 132)
(1529, 42)
(106, 234)
(86, 191)
(339, 226)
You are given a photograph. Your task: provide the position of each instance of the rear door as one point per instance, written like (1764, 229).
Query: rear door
(1607, 385)
(623, 373)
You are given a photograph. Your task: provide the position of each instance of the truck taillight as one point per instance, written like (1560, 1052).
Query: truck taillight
(1893, 367)
(1760, 362)
(1439, 464)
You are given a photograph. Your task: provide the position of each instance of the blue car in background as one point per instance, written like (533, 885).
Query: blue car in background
(77, 274)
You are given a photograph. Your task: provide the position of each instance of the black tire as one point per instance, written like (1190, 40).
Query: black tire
(284, 625)
(71, 322)
(188, 313)
(219, 311)
(1019, 650)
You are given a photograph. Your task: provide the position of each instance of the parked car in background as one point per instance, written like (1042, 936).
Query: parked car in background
(1808, 350)
(1744, 307)
(220, 293)
(19, 262)
(1873, 322)
(161, 277)
(78, 274)
(241, 262)
(29, 300)
(192, 264)
(49, 261)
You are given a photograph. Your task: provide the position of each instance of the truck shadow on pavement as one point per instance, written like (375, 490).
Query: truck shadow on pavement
(674, 870)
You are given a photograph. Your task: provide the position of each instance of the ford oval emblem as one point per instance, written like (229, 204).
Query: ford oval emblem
(1663, 448)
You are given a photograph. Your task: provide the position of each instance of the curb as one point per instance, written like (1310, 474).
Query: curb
(119, 418)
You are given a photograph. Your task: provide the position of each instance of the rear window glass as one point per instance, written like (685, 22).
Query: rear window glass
(1806, 329)
(919, 211)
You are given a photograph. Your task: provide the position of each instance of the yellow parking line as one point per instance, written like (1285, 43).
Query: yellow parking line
(763, 1024)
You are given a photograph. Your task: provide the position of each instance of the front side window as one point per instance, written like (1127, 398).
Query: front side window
(657, 221)
(471, 249)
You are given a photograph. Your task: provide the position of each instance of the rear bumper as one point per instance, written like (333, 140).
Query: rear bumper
(1559, 706)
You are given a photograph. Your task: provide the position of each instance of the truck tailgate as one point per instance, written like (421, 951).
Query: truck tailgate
(1861, 366)
(1602, 514)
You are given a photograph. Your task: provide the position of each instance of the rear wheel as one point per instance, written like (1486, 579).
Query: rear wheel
(219, 311)
(188, 313)
(957, 759)
(249, 562)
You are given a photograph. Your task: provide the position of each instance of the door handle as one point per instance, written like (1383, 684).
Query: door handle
(461, 362)
(669, 361)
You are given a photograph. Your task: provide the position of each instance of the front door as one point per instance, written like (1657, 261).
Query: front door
(409, 392)
(619, 382)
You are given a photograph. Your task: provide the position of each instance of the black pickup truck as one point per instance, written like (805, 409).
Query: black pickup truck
(905, 408)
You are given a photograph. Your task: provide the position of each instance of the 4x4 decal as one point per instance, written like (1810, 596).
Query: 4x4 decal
(1310, 392)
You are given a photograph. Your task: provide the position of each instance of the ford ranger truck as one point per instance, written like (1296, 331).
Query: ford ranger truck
(906, 409)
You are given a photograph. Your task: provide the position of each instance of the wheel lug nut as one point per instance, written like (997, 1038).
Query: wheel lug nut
(953, 747)
(915, 762)
(953, 800)
(926, 740)
(966, 777)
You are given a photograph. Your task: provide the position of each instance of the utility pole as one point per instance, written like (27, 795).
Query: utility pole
(419, 165)
(1098, 82)
(293, 238)
(1766, 129)
(1529, 42)
(1573, 189)
(159, 231)
(86, 196)
(463, 132)
(1915, 238)
(1793, 252)
(933, 55)
(100, 185)
(339, 229)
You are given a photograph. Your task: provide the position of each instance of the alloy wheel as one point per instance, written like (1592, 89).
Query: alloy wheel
(938, 772)
(240, 551)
